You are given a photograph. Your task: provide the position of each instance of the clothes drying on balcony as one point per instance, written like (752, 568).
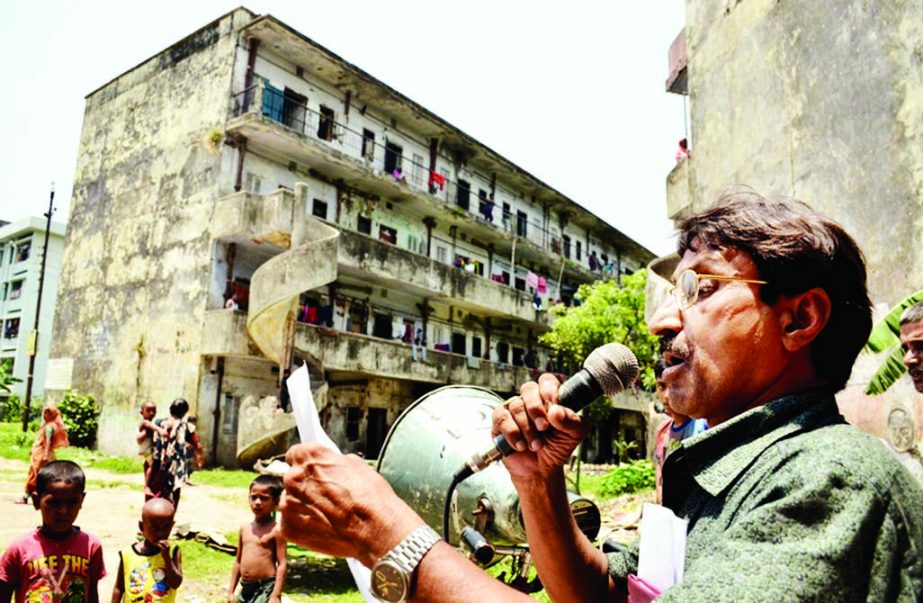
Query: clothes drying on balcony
(437, 179)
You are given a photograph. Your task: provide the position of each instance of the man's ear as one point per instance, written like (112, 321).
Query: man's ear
(802, 317)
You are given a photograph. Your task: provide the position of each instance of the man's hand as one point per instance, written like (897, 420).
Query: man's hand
(544, 433)
(275, 599)
(338, 505)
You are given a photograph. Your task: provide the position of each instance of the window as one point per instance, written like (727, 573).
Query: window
(440, 254)
(23, 250)
(459, 343)
(577, 254)
(325, 124)
(368, 145)
(476, 347)
(320, 209)
(393, 157)
(463, 194)
(229, 413)
(15, 289)
(294, 107)
(416, 170)
(11, 328)
(353, 415)
(364, 225)
(520, 284)
(503, 352)
(522, 223)
(414, 243)
(387, 234)
(254, 184)
(519, 356)
(566, 246)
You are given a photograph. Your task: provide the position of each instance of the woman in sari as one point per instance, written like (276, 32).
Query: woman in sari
(51, 436)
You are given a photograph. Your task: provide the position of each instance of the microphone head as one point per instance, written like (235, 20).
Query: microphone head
(613, 366)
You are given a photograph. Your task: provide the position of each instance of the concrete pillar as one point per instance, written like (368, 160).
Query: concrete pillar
(299, 211)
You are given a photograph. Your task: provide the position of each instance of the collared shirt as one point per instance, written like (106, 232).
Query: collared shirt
(787, 502)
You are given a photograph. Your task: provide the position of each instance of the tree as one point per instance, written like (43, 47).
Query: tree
(607, 313)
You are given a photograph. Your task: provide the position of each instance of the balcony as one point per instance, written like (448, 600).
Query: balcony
(678, 58)
(261, 217)
(245, 217)
(679, 202)
(370, 259)
(270, 120)
(362, 355)
(225, 334)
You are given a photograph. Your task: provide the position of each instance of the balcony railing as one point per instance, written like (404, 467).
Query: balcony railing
(389, 161)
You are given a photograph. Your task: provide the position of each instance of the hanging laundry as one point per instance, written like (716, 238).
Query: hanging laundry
(435, 178)
(542, 285)
(532, 280)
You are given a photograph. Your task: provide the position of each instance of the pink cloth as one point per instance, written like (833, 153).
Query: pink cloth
(640, 591)
(532, 280)
(542, 285)
(45, 569)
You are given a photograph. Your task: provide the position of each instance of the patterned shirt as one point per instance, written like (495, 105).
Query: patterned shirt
(787, 502)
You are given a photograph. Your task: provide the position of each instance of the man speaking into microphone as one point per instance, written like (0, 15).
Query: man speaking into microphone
(785, 501)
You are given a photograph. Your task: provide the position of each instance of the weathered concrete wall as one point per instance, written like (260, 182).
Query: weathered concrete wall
(822, 101)
(136, 268)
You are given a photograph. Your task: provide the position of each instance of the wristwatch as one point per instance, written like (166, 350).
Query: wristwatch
(392, 575)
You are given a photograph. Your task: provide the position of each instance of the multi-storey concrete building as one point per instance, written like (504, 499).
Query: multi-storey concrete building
(347, 223)
(21, 245)
(820, 101)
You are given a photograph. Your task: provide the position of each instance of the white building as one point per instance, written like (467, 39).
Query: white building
(21, 245)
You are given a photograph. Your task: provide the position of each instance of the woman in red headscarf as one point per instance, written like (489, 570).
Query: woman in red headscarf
(50, 437)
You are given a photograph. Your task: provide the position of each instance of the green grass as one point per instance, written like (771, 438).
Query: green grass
(225, 478)
(16, 445)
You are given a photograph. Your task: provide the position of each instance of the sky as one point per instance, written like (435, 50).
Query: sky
(573, 92)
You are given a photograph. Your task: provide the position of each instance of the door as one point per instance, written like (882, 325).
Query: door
(376, 430)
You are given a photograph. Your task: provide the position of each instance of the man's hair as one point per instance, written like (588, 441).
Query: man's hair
(68, 472)
(795, 249)
(660, 365)
(269, 481)
(179, 408)
(913, 314)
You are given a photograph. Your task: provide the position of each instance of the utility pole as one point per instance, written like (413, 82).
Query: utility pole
(33, 335)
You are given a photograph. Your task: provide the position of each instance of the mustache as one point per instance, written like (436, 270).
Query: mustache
(669, 345)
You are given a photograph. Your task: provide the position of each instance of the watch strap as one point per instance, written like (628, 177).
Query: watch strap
(411, 549)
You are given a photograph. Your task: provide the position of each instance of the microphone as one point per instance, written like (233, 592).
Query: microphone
(606, 371)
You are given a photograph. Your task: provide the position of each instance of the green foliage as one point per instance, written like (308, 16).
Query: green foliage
(100, 460)
(608, 313)
(627, 478)
(622, 449)
(886, 335)
(81, 418)
(11, 408)
(6, 375)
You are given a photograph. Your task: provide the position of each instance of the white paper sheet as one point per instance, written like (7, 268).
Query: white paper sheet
(662, 553)
(310, 430)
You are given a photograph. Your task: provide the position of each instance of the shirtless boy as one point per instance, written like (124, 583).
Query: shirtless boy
(261, 560)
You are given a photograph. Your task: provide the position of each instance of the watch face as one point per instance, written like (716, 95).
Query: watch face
(389, 582)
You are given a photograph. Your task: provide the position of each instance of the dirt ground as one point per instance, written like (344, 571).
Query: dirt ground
(112, 509)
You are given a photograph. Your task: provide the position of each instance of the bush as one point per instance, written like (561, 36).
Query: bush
(628, 478)
(11, 409)
(81, 418)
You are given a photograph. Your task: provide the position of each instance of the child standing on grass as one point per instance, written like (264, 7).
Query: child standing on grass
(151, 570)
(58, 561)
(261, 558)
(51, 436)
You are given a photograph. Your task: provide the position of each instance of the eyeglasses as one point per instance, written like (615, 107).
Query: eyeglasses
(686, 289)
